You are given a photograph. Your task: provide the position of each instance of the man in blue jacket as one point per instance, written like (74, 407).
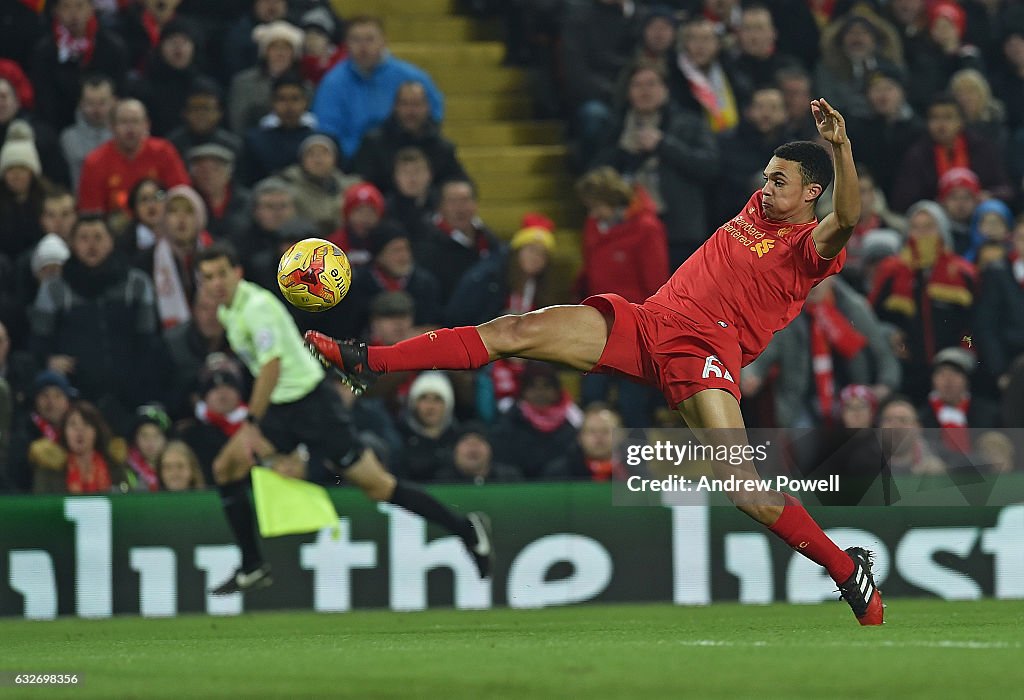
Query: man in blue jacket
(358, 93)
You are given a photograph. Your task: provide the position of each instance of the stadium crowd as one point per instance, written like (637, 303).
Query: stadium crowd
(136, 132)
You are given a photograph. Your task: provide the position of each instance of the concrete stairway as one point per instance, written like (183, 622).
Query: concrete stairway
(518, 163)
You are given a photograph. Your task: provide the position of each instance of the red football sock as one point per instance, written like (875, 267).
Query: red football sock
(797, 528)
(447, 348)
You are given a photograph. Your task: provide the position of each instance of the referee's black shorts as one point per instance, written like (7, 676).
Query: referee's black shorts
(320, 421)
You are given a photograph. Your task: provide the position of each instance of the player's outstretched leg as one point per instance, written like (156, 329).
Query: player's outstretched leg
(572, 335)
(714, 416)
(474, 529)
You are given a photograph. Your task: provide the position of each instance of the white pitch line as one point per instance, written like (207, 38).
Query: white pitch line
(940, 644)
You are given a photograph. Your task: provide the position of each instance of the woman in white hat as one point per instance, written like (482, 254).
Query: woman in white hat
(21, 191)
(280, 48)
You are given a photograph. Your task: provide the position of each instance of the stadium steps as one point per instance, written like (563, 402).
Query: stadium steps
(518, 162)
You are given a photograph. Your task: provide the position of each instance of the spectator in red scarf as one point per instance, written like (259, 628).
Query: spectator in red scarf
(76, 46)
(927, 292)
(178, 468)
(141, 23)
(35, 442)
(93, 461)
(146, 441)
(458, 238)
(393, 267)
(596, 455)
(362, 208)
(219, 413)
(951, 406)
(112, 170)
(947, 145)
(321, 49)
(541, 427)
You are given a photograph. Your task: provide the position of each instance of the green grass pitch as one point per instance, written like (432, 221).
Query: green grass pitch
(928, 649)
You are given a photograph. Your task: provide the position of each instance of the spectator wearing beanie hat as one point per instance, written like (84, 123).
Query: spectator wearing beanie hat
(35, 439)
(943, 53)
(147, 439)
(427, 430)
(951, 405)
(927, 291)
(49, 257)
(959, 195)
(319, 183)
(362, 208)
(321, 49)
(249, 98)
(394, 268)
(21, 191)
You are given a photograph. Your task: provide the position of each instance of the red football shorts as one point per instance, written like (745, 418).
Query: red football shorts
(668, 348)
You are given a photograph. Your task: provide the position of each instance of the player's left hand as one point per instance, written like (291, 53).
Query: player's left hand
(829, 121)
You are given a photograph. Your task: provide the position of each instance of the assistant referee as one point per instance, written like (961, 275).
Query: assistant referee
(293, 403)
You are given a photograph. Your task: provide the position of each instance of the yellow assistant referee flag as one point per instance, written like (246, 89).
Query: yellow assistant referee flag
(286, 506)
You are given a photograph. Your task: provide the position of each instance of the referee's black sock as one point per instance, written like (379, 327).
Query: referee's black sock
(238, 509)
(414, 499)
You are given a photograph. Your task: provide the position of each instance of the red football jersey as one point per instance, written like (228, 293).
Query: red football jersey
(752, 274)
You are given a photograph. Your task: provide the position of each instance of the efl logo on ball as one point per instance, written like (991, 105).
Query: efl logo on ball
(314, 274)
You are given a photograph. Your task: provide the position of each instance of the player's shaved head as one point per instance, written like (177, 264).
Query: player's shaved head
(814, 161)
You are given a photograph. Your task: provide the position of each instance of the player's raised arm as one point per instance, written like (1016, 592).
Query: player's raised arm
(834, 230)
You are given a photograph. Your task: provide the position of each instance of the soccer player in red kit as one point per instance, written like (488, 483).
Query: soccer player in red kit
(692, 337)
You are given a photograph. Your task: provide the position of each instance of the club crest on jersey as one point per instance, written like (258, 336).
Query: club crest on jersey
(785, 230)
(762, 247)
